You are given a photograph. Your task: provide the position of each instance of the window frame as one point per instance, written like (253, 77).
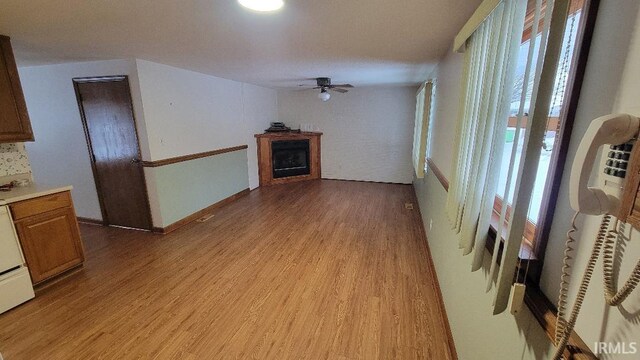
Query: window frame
(567, 118)
(530, 227)
(537, 234)
(424, 100)
(538, 303)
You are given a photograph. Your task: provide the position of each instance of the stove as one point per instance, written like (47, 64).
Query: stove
(15, 282)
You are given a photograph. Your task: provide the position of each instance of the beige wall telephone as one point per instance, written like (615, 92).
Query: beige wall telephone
(618, 133)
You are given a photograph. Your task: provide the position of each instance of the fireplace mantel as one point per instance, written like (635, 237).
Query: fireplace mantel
(265, 156)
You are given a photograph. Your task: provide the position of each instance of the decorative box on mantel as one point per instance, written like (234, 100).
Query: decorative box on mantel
(285, 157)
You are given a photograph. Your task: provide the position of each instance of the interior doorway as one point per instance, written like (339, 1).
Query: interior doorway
(107, 116)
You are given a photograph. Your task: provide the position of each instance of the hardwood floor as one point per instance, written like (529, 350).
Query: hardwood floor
(311, 270)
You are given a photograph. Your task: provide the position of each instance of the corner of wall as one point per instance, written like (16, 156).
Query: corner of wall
(152, 194)
(138, 109)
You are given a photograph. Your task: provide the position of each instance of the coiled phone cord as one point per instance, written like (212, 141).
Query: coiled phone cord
(565, 327)
(612, 295)
(604, 237)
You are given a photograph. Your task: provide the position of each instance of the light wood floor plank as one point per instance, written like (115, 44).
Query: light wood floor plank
(311, 270)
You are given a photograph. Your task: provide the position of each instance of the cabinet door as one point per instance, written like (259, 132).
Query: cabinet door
(50, 242)
(14, 118)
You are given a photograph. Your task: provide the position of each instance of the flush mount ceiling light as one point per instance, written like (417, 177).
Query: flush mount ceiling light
(262, 5)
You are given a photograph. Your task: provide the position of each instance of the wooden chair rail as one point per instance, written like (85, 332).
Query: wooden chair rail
(178, 159)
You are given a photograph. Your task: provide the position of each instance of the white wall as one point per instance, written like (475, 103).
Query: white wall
(187, 112)
(477, 333)
(259, 108)
(184, 112)
(60, 155)
(448, 76)
(368, 132)
(611, 83)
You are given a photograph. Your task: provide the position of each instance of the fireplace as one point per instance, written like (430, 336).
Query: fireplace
(290, 158)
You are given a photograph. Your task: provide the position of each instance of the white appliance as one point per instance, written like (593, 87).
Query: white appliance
(15, 282)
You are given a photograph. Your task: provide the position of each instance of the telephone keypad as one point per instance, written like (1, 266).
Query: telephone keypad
(617, 162)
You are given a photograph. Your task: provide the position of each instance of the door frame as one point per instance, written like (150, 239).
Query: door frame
(96, 178)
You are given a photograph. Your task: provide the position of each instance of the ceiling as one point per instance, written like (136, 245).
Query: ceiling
(363, 42)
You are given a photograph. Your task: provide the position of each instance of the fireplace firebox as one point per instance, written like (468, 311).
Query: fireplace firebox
(290, 158)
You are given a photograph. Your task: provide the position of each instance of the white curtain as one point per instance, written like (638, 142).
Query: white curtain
(490, 61)
(421, 127)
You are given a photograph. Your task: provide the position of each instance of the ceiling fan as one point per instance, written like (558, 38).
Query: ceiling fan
(324, 84)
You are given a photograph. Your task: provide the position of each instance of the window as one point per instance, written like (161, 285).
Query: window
(495, 41)
(421, 128)
(555, 121)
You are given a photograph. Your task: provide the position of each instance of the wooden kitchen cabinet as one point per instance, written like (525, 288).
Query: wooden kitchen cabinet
(15, 125)
(48, 232)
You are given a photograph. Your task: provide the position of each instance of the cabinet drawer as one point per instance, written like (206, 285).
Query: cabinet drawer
(26, 208)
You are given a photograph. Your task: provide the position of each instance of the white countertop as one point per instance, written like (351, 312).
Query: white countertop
(29, 192)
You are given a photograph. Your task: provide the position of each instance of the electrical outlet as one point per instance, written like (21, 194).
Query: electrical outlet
(430, 224)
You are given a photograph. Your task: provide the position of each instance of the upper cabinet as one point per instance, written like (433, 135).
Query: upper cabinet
(14, 118)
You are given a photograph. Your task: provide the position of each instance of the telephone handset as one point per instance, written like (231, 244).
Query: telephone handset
(619, 131)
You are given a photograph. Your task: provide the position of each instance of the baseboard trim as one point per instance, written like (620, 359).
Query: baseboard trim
(436, 283)
(90, 221)
(369, 181)
(198, 214)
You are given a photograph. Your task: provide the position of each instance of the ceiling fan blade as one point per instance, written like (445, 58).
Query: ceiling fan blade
(343, 85)
(339, 90)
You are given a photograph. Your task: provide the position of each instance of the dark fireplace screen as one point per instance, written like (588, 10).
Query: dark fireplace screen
(290, 158)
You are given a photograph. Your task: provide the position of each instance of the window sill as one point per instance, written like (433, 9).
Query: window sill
(526, 249)
(540, 306)
(530, 266)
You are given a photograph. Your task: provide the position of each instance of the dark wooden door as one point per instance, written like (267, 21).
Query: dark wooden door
(105, 105)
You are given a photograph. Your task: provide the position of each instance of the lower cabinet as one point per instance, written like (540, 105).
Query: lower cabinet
(49, 235)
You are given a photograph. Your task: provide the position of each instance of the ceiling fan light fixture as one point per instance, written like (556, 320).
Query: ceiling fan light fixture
(262, 5)
(324, 95)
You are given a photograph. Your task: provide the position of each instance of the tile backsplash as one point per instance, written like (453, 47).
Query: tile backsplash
(14, 159)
